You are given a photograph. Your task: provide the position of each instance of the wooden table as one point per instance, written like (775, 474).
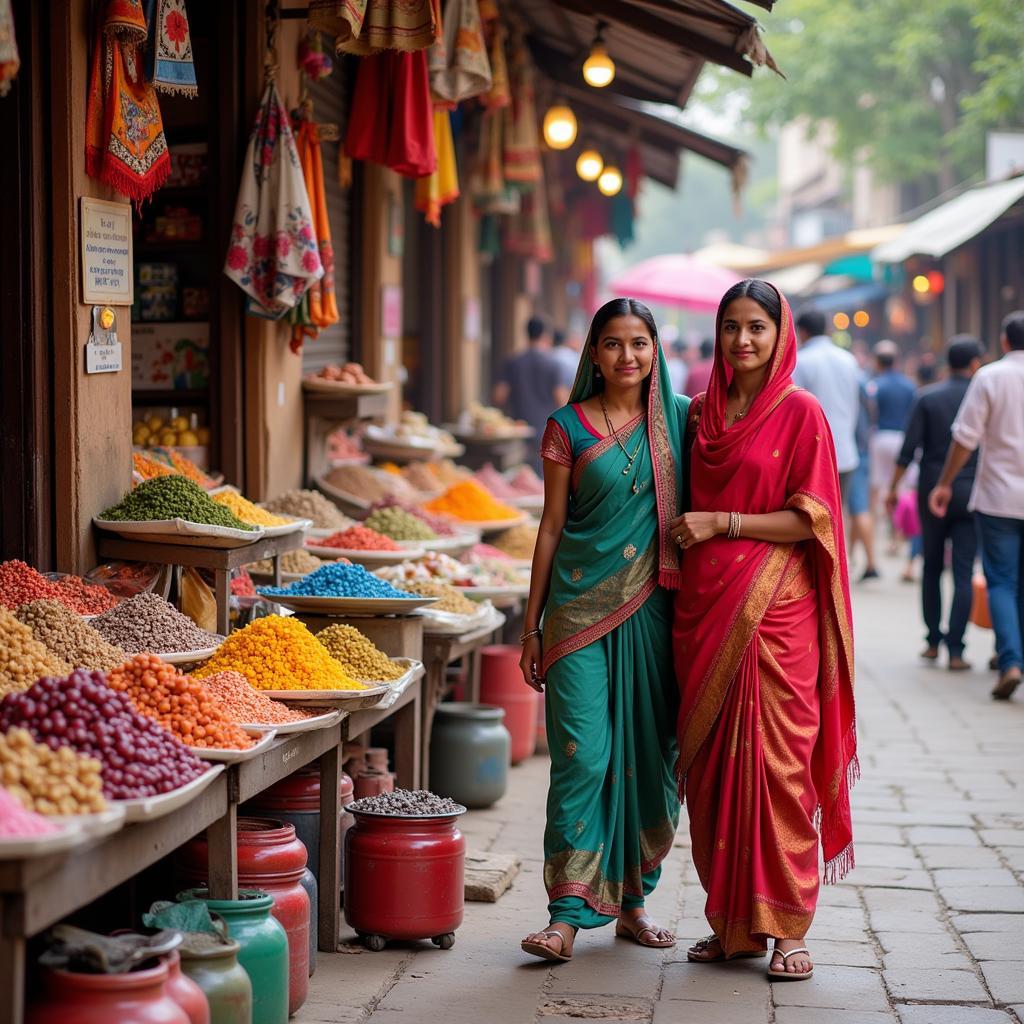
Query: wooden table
(324, 413)
(440, 651)
(219, 560)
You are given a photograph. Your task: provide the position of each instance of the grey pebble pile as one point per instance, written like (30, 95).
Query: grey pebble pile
(408, 803)
(148, 624)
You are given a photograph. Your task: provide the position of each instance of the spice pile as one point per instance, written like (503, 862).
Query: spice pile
(440, 526)
(185, 466)
(448, 598)
(278, 653)
(309, 505)
(490, 478)
(341, 447)
(147, 467)
(407, 803)
(179, 703)
(337, 579)
(297, 561)
(367, 483)
(172, 497)
(138, 757)
(526, 482)
(518, 542)
(23, 659)
(422, 477)
(396, 523)
(471, 502)
(49, 781)
(17, 823)
(237, 701)
(242, 584)
(485, 553)
(20, 583)
(148, 624)
(69, 636)
(247, 511)
(357, 655)
(357, 538)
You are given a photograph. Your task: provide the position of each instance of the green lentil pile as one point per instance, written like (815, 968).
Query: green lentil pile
(396, 523)
(173, 497)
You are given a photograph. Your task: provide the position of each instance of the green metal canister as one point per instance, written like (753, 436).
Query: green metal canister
(212, 963)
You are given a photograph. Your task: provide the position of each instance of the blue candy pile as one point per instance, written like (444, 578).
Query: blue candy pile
(336, 579)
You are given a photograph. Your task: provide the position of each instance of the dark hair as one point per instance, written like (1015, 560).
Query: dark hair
(707, 348)
(557, 337)
(962, 350)
(615, 308)
(763, 293)
(1013, 328)
(535, 328)
(926, 371)
(812, 321)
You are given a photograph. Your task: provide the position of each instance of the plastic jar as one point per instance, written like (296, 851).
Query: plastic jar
(469, 753)
(214, 967)
(501, 684)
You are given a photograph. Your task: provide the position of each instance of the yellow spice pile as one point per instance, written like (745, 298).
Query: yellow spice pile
(23, 659)
(357, 655)
(449, 599)
(49, 781)
(247, 511)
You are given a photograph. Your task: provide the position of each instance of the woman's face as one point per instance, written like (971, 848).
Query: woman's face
(624, 351)
(748, 335)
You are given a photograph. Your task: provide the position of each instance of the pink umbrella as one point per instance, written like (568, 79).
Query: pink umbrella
(676, 280)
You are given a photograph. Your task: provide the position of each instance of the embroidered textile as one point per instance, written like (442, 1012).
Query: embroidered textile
(9, 59)
(169, 63)
(458, 63)
(521, 139)
(362, 27)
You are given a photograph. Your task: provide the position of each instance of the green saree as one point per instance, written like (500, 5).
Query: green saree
(611, 694)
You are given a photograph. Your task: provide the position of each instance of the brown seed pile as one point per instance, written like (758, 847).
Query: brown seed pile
(23, 659)
(309, 505)
(69, 636)
(298, 561)
(449, 599)
(147, 624)
(518, 542)
(49, 781)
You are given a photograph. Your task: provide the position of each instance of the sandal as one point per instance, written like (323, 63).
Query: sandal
(706, 943)
(1008, 682)
(544, 951)
(644, 925)
(785, 975)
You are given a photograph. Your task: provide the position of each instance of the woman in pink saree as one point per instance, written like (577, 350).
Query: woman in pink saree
(763, 643)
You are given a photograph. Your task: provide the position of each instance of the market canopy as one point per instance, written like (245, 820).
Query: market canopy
(948, 226)
(676, 279)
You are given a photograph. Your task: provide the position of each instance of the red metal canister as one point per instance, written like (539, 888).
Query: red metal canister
(271, 858)
(501, 684)
(404, 878)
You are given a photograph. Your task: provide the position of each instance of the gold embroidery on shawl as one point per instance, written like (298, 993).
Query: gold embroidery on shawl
(576, 575)
(629, 551)
(664, 475)
(570, 748)
(555, 445)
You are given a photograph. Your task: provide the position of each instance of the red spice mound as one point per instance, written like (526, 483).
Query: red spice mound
(20, 583)
(359, 538)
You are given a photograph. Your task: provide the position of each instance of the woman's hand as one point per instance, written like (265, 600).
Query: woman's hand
(530, 663)
(696, 527)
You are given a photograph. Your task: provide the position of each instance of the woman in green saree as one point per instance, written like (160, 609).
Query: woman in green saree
(603, 567)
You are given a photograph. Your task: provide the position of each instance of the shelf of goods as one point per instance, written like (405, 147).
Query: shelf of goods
(323, 413)
(502, 452)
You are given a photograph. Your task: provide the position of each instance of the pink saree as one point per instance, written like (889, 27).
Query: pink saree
(763, 647)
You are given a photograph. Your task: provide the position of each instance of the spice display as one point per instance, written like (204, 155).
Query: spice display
(490, 478)
(148, 624)
(237, 701)
(297, 561)
(446, 473)
(48, 780)
(242, 584)
(350, 373)
(337, 579)
(357, 655)
(20, 583)
(486, 421)
(526, 482)
(360, 480)
(471, 502)
(127, 578)
(358, 538)
(435, 566)
(420, 476)
(486, 552)
(416, 428)
(17, 823)
(147, 467)
(342, 447)
(23, 659)
(178, 702)
(170, 497)
(448, 598)
(69, 636)
(187, 468)
(396, 523)
(517, 542)
(139, 758)
(247, 511)
(407, 803)
(279, 653)
(441, 526)
(312, 505)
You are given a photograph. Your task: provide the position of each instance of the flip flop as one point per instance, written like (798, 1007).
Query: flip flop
(784, 975)
(704, 943)
(544, 951)
(623, 931)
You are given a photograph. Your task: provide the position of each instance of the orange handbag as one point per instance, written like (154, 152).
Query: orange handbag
(979, 606)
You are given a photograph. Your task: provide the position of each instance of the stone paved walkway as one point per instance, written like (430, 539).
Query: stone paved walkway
(929, 929)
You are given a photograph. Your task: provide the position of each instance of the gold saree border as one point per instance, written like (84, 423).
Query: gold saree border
(555, 444)
(664, 471)
(599, 448)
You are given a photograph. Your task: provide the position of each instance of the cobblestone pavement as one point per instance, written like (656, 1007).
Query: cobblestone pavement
(929, 928)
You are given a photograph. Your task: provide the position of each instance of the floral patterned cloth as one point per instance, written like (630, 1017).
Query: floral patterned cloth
(169, 63)
(273, 254)
(458, 63)
(9, 60)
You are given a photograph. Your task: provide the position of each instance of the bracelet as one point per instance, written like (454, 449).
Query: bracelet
(735, 526)
(529, 634)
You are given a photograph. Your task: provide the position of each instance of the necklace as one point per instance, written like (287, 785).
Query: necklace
(743, 412)
(638, 484)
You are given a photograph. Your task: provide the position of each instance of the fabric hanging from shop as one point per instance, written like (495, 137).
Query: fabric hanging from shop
(392, 119)
(362, 27)
(442, 187)
(273, 255)
(499, 94)
(9, 59)
(125, 144)
(169, 63)
(529, 232)
(490, 192)
(522, 140)
(458, 63)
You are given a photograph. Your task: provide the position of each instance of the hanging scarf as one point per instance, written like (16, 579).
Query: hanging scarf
(169, 49)
(272, 255)
(458, 64)
(442, 187)
(9, 59)
(499, 94)
(521, 139)
(323, 307)
(529, 231)
(362, 27)
(125, 144)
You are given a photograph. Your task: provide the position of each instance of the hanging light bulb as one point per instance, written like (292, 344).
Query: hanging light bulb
(589, 165)
(599, 68)
(610, 181)
(560, 126)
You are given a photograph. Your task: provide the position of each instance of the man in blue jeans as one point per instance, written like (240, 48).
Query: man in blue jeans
(992, 417)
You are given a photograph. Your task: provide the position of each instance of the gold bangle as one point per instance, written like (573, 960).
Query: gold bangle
(529, 634)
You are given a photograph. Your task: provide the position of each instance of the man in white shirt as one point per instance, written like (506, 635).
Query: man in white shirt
(992, 417)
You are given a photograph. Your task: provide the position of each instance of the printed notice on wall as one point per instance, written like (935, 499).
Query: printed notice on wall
(106, 252)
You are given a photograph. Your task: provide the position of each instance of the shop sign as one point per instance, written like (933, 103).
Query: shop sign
(103, 350)
(106, 252)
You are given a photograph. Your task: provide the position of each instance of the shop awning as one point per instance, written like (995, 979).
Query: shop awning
(825, 252)
(854, 297)
(947, 227)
